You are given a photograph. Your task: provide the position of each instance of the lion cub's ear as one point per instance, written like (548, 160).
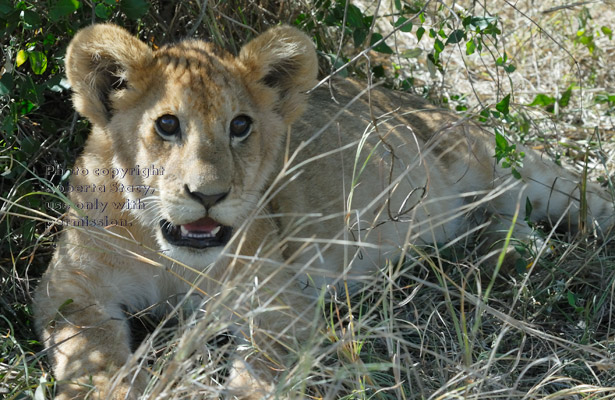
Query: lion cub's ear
(283, 58)
(101, 60)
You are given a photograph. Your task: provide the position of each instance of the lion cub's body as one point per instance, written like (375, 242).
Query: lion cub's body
(257, 218)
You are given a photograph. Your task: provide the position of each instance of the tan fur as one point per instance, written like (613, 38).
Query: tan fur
(362, 176)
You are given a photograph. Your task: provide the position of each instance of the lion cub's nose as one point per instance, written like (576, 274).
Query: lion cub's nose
(207, 200)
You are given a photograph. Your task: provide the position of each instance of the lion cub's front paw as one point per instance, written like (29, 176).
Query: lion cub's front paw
(244, 384)
(101, 387)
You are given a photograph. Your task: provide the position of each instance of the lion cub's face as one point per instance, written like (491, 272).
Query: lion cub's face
(213, 121)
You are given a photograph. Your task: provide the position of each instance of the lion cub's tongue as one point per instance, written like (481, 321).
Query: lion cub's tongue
(203, 225)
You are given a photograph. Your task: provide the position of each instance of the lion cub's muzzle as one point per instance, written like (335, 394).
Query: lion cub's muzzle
(202, 233)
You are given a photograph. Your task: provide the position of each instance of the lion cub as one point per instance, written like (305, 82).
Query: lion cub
(203, 174)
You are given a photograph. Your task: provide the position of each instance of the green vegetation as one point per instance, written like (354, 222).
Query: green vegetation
(435, 326)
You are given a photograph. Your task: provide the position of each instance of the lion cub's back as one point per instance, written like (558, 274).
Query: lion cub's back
(353, 137)
(370, 167)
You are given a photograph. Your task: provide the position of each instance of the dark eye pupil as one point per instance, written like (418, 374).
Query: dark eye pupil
(167, 125)
(240, 126)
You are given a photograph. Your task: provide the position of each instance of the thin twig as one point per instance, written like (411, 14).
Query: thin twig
(198, 21)
(565, 6)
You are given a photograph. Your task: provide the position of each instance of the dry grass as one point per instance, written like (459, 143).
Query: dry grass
(433, 326)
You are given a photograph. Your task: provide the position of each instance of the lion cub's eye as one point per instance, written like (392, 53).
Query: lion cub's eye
(241, 126)
(167, 126)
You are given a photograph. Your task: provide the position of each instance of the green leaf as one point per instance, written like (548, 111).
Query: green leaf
(510, 68)
(338, 62)
(22, 57)
(25, 106)
(29, 146)
(434, 60)
(470, 47)
(603, 98)
(500, 141)
(479, 24)
(397, 4)
(378, 71)
(407, 25)
(412, 53)
(542, 100)
(134, 9)
(572, 299)
(528, 209)
(31, 19)
(56, 83)
(354, 17)
(102, 11)
(521, 266)
(456, 36)
(438, 46)
(382, 47)
(5, 7)
(407, 84)
(65, 304)
(502, 106)
(38, 62)
(49, 40)
(359, 36)
(6, 84)
(565, 99)
(419, 33)
(301, 18)
(607, 31)
(63, 8)
(587, 40)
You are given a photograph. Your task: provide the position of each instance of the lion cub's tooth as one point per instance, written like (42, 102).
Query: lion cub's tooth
(183, 230)
(216, 230)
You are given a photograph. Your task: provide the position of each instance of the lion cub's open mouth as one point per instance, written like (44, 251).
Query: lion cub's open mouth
(202, 233)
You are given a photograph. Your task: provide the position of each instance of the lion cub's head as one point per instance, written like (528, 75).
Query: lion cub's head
(214, 121)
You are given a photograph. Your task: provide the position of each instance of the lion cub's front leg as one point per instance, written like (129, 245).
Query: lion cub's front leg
(88, 343)
(244, 384)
